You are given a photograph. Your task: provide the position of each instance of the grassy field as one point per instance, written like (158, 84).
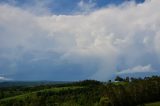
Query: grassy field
(56, 89)
(153, 104)
(120, 83)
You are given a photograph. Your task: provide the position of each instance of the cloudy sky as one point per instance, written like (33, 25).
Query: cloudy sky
(78, 39)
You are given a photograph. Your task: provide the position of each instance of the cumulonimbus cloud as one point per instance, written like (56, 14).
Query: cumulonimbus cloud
(101, 42)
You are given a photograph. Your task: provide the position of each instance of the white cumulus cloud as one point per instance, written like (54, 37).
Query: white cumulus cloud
(137, 69)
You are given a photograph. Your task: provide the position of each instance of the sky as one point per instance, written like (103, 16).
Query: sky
(67, 40)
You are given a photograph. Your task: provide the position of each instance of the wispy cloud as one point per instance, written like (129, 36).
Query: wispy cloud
(86, 6)
(4, 79)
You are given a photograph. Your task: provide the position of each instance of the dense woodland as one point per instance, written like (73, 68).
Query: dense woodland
(121, 92)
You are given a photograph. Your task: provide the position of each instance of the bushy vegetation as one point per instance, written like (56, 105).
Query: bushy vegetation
(123, 92)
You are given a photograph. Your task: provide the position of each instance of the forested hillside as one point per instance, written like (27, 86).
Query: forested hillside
(122, 92)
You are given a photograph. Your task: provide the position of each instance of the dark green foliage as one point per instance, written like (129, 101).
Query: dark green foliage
(105, 101)
(118, 78)
(85, 93)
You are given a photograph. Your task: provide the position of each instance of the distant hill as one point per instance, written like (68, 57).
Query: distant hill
(30, 83)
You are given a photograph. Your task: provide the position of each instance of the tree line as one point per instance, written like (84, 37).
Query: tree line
(121, 92)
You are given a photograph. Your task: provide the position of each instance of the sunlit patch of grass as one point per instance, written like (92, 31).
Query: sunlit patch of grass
(153, 104)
